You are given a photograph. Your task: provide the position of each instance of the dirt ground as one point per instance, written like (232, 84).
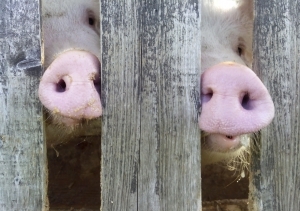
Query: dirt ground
(74, 175)
(74, 179)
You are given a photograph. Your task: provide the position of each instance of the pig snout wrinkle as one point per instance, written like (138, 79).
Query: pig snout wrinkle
(70, 86)
(234, 101)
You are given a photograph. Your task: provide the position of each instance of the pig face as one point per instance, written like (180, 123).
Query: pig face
(235, 103)
(69, 88)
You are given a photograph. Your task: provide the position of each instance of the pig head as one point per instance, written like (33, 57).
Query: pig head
(235, 103)
(70, 86)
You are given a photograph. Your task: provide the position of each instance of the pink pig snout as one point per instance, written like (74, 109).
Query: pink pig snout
(234, 101)
(70, 87)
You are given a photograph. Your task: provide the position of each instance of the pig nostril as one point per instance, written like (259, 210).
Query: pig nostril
(91, 21)
(207, 96)
(97, 84)
(229, 137)
(61, 86)
(246, 102)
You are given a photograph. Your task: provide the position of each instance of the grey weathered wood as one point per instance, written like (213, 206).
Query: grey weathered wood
(276, 175)
(169, 176)
(120, 96)
(150, 92)
(22, 157)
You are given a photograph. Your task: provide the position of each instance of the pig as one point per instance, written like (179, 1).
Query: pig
(70, 93)
(70, 86)
(235, 103)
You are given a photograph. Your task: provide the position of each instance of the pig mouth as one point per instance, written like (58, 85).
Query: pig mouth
(230, 137)
(221, 142)
(66, 122)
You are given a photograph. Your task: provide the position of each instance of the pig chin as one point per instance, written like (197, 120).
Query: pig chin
(233, 151)
(68, 123)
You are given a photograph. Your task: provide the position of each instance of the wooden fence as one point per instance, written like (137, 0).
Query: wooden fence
(150, 146)
(22, 152)
(275, 172)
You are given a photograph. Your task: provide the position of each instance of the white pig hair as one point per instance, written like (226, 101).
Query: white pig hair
(225, 31)
(65, 23)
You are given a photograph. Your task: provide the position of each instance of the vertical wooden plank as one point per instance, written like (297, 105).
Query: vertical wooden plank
(276, 173)
(120, 95)
(170, 176)
(22, 157)
(150, 93)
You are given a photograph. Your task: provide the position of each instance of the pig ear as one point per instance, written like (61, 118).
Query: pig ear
(246, 8)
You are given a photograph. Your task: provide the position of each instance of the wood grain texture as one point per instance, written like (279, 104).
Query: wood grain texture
(150, 92)
(22, 157)
(169, 174)
(120, 96)
(276, 172)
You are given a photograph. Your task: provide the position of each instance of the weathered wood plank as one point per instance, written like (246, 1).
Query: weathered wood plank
(120, 95)
(276, 174)
(150, 92)
(22, 156)
(169, 174)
